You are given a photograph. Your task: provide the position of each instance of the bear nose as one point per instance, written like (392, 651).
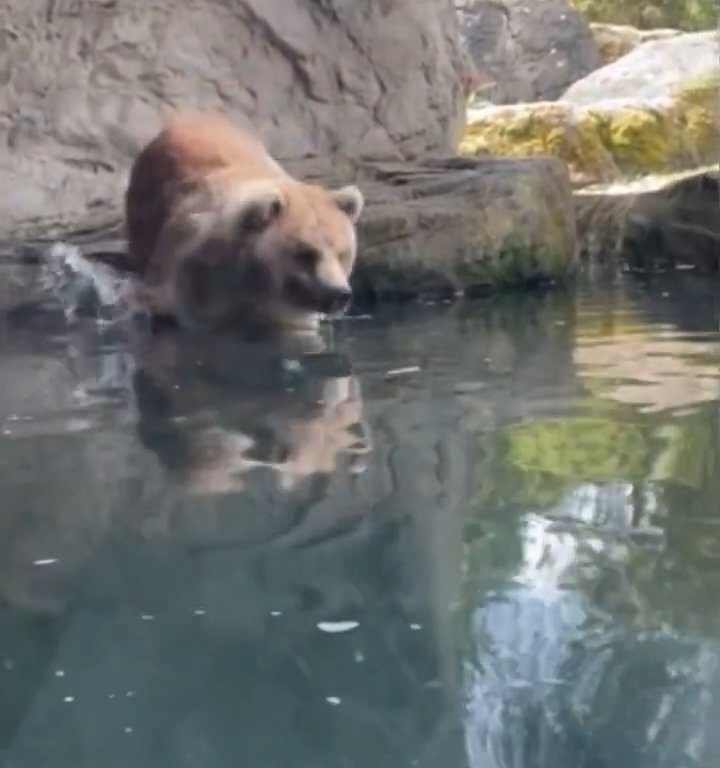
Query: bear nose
(337, 299)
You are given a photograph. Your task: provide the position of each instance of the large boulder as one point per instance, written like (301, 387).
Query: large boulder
(533, 49)
(677, 222)
(654, 110)
(653, 223)
(651, 72)
(459, 225)
(83, 85)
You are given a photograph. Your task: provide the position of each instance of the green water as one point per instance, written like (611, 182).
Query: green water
(472, 536)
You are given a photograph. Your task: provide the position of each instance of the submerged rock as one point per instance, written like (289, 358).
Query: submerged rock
(534, 49)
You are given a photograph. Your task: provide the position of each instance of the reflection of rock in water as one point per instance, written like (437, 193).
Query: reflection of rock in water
(656, 369)
(559, 676)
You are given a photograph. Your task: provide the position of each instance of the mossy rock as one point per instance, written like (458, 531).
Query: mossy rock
(458, 225)
(544, 128)
(608, 140)
(655, 110)
(650, 15)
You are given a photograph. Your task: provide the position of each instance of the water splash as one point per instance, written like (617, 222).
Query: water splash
(85, 287)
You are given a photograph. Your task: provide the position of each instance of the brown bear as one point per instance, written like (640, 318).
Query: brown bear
(222, 235)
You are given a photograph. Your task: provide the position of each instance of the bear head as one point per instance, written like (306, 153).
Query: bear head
(272, 252)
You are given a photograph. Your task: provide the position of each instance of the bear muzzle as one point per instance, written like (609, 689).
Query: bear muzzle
(335, 299)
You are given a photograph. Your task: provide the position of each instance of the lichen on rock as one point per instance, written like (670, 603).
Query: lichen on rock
(543, 128)
(609, 140)
(624, 120)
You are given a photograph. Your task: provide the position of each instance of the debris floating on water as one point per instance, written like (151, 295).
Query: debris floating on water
(333, 627)
(403, 371)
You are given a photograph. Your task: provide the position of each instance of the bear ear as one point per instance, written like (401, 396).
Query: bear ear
(350, 201)
(259, 208)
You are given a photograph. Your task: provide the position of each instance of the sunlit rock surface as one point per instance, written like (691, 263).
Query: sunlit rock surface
(653, 110)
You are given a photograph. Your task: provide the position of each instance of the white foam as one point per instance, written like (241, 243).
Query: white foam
(76, 282)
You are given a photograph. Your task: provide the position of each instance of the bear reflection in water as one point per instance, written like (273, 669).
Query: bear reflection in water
(215, 409)
(200, 582)
(248, 437)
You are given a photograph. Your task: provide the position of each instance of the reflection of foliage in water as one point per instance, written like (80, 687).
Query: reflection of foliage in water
(584, 644)
(579, 449)
(536, 463)
(635, 493)
(689, 455)
(588, 607)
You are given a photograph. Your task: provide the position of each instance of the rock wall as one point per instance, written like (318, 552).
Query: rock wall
(82, 83)
(533, 49)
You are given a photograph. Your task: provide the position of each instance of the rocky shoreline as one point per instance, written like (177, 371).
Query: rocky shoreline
(568, 113)
(639, 131)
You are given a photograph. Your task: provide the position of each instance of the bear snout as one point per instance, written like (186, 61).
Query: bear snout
(335, 299)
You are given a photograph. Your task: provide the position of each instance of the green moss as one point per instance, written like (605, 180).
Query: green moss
(542, 130)
(603, 143)
(696, 111)
(642, 140)
(683, 14)
(516, 265)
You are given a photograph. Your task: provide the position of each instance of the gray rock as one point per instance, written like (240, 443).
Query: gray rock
(459, 225)
(533, 50)
(654, 223)
(83, 85)
(676, 224)
(652, 71)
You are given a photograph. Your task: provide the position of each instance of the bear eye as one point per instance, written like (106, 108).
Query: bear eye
(307, 257)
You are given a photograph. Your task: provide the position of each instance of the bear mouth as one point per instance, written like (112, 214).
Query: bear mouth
(331, 301)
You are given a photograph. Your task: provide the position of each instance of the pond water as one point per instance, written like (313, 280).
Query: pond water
(480, 535)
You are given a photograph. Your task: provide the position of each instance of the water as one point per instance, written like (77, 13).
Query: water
(474, 536)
